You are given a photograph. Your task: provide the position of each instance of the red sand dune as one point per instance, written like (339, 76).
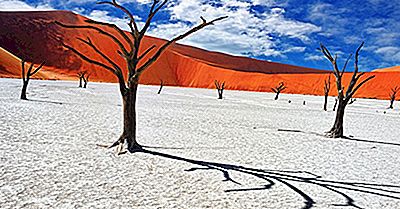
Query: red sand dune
(389, 69)
(10, 66)
(33, 35)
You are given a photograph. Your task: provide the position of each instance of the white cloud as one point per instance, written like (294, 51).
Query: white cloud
(245, 32)
(15, 5)
(312, 57)
(389, 53)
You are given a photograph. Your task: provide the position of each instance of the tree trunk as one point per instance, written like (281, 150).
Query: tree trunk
(391, 104)
(159, 91)
(337, 129)
(85, 84)
(276, 96)
(334, 106)
(23, 92)
(326, 103)
(129, 105)
(80, 82)
(220, 94)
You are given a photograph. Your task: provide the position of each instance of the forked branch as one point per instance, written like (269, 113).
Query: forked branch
(163, 47)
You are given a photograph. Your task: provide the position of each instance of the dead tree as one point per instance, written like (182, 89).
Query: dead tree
(327, 89)
(81, 76)
(278, 89)
(220, 88)
(85, 80)
(393, 96)
(26, 76)
(129, 48)
(344, 98)
(352, 101)
(161, 86)
(334, 106)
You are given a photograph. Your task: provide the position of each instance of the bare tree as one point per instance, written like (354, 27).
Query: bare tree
(278, 89)
(128, 84)
(85, 80)
(393, 96)
(161, 86)
(220, 88)
(81, 76)
(327, 89)
(344, 98)
(352, 100)
(334, 106)
(26, 76)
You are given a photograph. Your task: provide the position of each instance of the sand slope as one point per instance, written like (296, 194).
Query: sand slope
(390, 69)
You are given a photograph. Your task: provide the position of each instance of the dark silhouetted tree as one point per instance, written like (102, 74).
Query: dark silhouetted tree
(81, 76)
(26, 76)
(352, 101)
(220, 86)
(344, 97)
(128, 84)
(161, 86)
(393, 96)
(85, 80)
(278, 89)
(327, 89)
(335, 105)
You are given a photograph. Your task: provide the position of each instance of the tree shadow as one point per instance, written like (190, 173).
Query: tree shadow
(344, 138)
(45, 101)
(371, 141)
(287, 178)
(185, 148)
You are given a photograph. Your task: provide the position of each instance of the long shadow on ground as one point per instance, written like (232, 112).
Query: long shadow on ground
(344, 138)
(287, 178)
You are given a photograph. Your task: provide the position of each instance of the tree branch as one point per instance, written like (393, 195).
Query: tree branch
(146, 52)
(116, 28)
(345, 65)
(38, 68)
(132, 21)
(358, 86)
(162, 48)
(115, 39)
(354, 77)
(90, 43)
(151, 15)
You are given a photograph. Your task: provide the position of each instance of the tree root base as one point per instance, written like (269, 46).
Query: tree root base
(333, 134)
(119, 144)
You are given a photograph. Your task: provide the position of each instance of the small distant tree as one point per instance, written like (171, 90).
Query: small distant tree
(392, 95)
(81, 76)
(327, 88)
(85, 80)
(26, 76)
(344, 97)
(220, 88)
(278, 89)
(137, 61)
(161, 86)
(352, 100)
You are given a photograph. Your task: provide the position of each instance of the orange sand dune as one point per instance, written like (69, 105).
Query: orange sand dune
(389, 69)
(33, 35)
(10, 66)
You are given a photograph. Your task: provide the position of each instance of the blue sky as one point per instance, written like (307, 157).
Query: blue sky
(286, 31)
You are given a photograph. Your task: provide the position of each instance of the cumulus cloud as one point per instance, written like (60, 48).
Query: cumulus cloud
(389, 53)
(245, 32)
(15, 5)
